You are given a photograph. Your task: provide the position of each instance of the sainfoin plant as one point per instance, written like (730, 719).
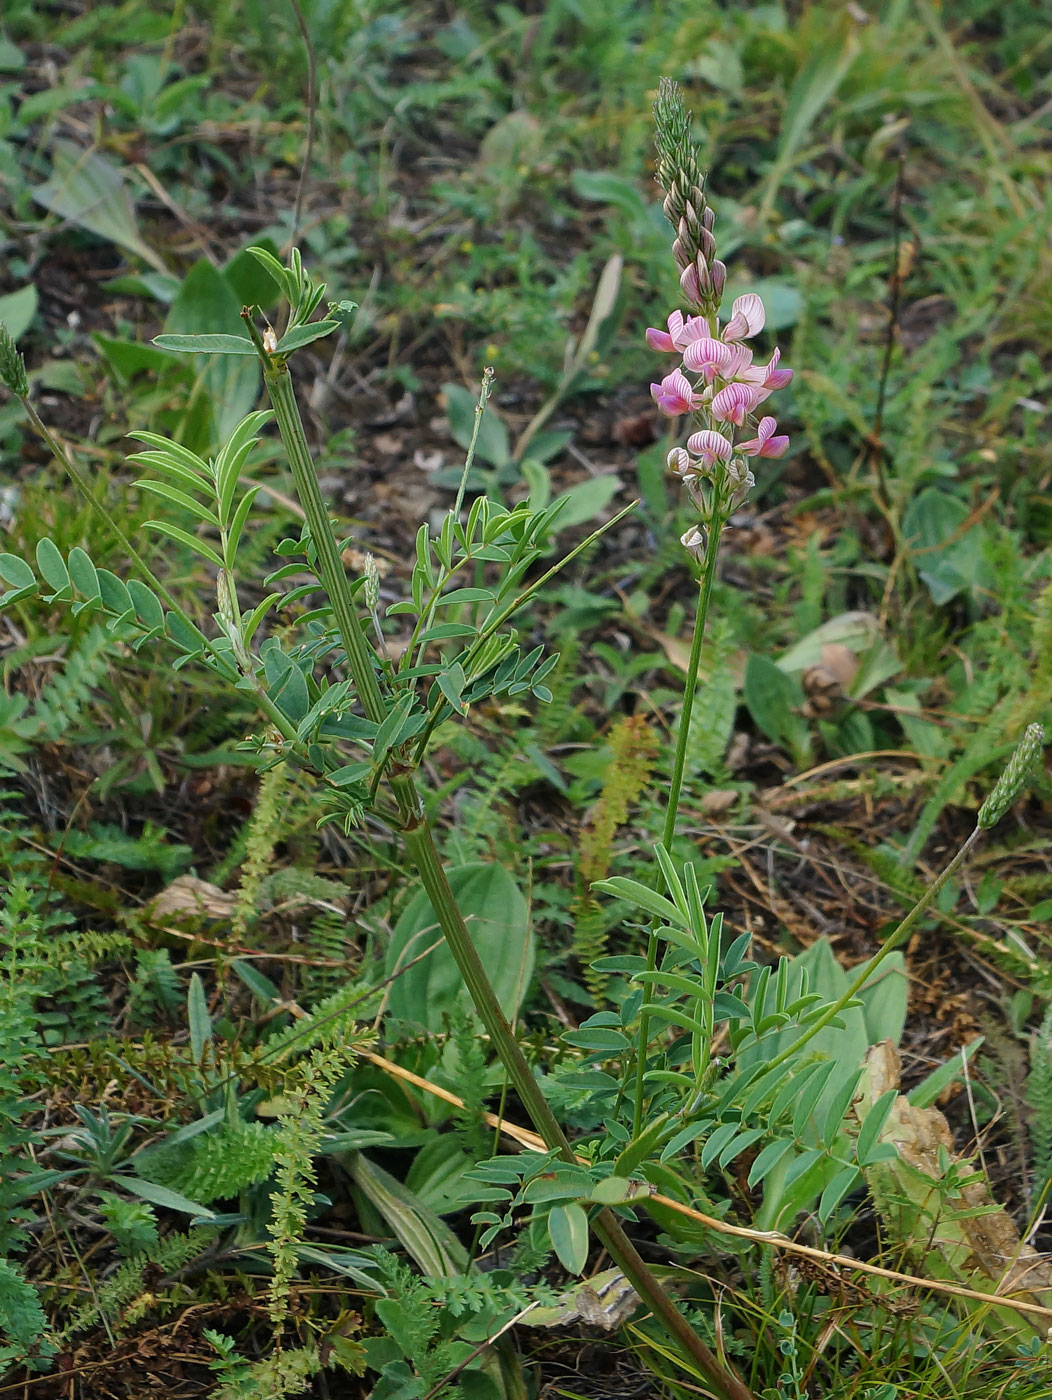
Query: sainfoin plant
(709, 1059)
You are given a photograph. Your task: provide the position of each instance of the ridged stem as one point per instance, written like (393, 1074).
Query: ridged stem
(679, 765)
(330, 567)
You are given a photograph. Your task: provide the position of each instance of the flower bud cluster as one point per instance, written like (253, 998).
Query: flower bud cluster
(702, 275)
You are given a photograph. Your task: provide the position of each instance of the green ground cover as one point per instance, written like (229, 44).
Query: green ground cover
(247, 1132)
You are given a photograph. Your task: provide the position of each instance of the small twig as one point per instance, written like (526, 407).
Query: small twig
(895, 285)
(312, 110)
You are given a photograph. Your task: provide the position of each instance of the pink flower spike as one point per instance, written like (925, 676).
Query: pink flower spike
(764, 444)
(674, 395)
(708, 357)
(734, 403)
(747, 318)
(710, 447)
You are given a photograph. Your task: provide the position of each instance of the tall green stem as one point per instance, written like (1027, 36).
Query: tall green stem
(421, 849)
(330, 567)
(679, 764)
(690, 688)
(868, 969)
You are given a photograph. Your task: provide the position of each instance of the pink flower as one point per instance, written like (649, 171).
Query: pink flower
(681, 332)
(747, 318)
(733, 403)
(709, 447)
(709, 357)
(665, 341)
(675, 395)
(764, 444)
(769, 377)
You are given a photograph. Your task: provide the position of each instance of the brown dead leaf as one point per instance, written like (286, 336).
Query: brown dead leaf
(677, 649)
(719, 802)
(190, 898)
(974, 1240)
(840, 661)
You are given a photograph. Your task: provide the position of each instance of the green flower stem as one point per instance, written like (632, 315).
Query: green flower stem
(679, 764)
(420, 847)
(330, 566)
(890, 944)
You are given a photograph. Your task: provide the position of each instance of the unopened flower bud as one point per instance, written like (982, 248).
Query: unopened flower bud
(694, 541)
(741, 492)
(12, 365)
(1014, 778)
(372, 582)
(226, 599)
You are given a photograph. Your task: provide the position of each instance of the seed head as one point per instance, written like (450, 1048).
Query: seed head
(372, 582)
(1015, 777)
(12, 365)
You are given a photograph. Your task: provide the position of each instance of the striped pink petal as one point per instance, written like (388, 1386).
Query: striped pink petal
(739, 365)
(666, 341)
(710, 447)
(768, 376)
(694, 328)
(660, 340)
(747, 318)
(777, 378)
(733, 403)
(674, 395)
(764, 444)
(708, 357)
